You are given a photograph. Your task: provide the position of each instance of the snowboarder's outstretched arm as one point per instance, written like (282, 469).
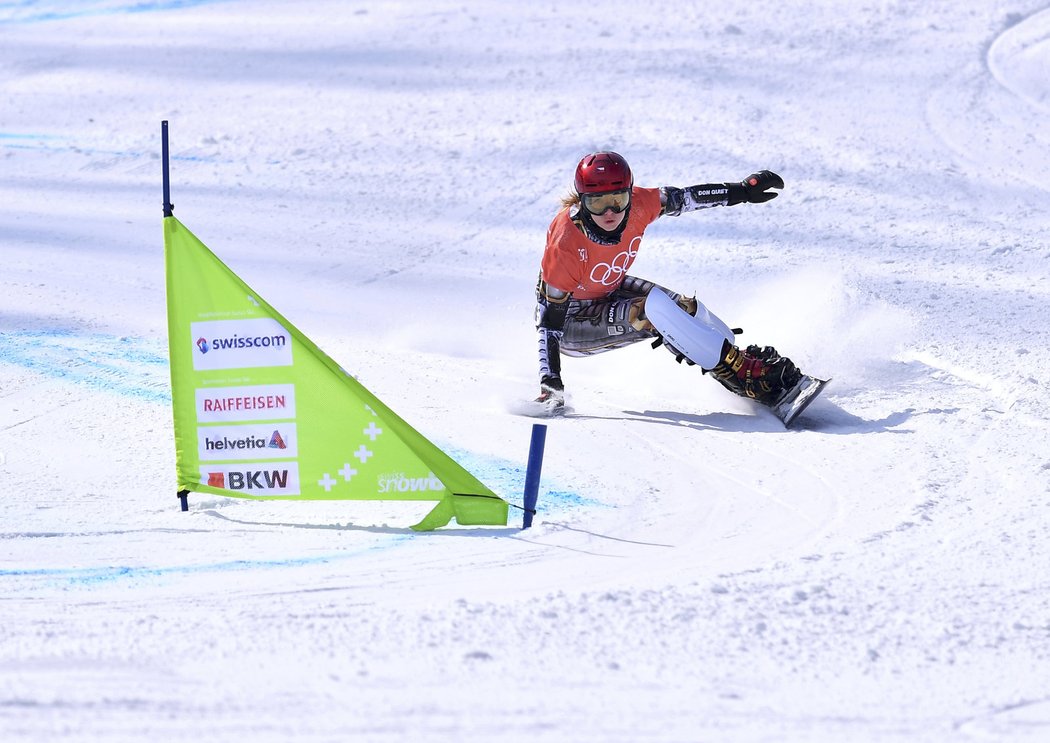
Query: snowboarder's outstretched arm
(755, 189)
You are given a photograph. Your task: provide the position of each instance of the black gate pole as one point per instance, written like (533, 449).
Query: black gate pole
(182, 495)
(168, 206)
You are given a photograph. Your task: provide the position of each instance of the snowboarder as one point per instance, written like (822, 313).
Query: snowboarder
(587, 303)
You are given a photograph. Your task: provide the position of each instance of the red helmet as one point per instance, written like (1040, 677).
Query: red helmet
(603, 172)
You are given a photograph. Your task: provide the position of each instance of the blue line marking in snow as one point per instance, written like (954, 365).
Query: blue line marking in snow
(91, 575)
(100, 575)
(12, 135)
(37, 11)
(507, 479)
(57, 143)
(135, 367)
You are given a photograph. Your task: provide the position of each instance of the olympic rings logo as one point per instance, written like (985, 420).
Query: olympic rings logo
(611, 274)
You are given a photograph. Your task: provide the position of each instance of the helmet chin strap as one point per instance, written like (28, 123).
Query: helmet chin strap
(600, 236)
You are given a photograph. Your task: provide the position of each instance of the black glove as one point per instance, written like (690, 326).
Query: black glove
(755, 188)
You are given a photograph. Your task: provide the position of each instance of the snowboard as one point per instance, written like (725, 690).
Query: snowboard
(787, 409)
(796, 399)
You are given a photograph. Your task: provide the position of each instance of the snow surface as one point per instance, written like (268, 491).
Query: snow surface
(384, 173)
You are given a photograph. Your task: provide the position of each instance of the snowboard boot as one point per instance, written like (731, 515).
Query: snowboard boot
(552, 394)
(759, 373)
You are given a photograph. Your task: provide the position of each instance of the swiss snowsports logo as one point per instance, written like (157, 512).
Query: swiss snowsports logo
(398, 483)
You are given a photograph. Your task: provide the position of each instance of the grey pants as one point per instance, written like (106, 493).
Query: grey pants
(598, 325)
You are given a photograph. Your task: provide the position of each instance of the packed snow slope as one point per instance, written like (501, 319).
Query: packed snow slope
(384, 173)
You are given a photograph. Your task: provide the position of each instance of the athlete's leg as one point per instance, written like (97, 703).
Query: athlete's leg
(596, 326)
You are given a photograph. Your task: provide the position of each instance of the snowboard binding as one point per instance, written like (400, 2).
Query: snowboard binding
(759, 373)
(552, 396)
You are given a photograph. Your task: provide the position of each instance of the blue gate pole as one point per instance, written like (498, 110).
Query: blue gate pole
(164, 175)
(532, 474)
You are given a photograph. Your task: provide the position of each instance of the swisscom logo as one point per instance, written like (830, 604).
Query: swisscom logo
(254, 441)
(240, 344)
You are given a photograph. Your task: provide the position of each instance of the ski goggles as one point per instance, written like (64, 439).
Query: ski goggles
(602, 202)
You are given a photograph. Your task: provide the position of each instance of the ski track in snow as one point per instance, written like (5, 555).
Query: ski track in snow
(696, 572)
